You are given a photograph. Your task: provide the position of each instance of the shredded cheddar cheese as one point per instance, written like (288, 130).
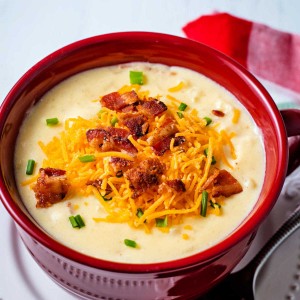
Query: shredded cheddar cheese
(177, 88)
(236, 116)
(186, 162)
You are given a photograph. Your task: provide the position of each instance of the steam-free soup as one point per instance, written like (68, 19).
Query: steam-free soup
(217, 112)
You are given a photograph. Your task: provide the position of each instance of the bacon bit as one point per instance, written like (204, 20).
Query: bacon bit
(222, 183)
(97, 138)
(162, 146)
(51, 187)
(120, 164)
(97, 184)
(116, 101)
(210, 180)
(130, 97)
(225, 185)
(178, 140)
(218, 113)
(136, 123)
(177, 185)
(152, 107)
(161, 139)
(110, 139)
(145, 176)
(129, 108)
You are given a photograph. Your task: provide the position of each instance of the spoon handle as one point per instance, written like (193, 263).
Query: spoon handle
(290, 226)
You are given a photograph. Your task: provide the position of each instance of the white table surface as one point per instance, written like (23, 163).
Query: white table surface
(32, 29)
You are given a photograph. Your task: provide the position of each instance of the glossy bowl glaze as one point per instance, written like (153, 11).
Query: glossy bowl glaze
(184, 278)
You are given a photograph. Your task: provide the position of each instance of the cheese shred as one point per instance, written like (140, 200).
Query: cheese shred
(186, 162)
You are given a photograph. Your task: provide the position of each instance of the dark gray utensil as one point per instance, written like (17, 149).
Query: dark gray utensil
(240, 285)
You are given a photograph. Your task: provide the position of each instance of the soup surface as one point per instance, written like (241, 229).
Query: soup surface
(78, 96)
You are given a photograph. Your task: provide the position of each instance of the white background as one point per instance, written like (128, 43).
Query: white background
(30, 30)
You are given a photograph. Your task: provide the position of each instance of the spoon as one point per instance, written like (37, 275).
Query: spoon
(240, 285)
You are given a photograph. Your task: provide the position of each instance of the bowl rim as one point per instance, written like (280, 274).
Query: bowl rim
(207, 255)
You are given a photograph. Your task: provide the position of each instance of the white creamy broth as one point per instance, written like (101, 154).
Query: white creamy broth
(74, 97)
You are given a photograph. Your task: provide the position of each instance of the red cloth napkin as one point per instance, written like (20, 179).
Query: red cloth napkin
(269, 53)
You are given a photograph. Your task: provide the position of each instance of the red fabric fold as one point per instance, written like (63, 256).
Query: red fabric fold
(269, 53)
(223, 32)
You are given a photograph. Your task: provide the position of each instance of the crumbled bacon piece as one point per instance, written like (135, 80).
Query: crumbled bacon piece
(51, 187)
(116, 101)
(162, 146)
(98, 138)
(145, 176)
(218, 113)
(178, 140)
(225, 185)
(97, 184)
(110, 139)
(222, 183)
(212, 176)
(160, 141)
(135, 122)
(177, 185)
(152, 107)
(120, 164)
(129, 109)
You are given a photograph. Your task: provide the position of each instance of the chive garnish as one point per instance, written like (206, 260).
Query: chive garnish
(213, 160)
(204, 201)
(77, 221)
(161, 222)
(214, 204)
(52, 121)
(130, 243)
(114, 121)
(180, 114)
(208, 120)
(73, 222)
(182, 106)
(87, 158)
(30, 167)
(139, 212)
(136, 77)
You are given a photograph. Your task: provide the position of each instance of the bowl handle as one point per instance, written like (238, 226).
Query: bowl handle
(291, 118)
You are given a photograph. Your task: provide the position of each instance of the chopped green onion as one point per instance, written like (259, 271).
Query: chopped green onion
(204, 201)
(87, 158)
(213, 160)
(139, 212)
(119, 174)
(114, 121)
(30, 167)
(180, 114)
(208, 120)
(182, 106)
(136, 77)
(79, 221)
(52, 121)
(214, 204)
(73, 222)
(104, 197)
(161, 222)
(130, 243)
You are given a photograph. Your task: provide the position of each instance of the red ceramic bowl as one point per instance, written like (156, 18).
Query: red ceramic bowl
(184, 278)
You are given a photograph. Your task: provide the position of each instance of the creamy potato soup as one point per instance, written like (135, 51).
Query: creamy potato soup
(155, 162)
